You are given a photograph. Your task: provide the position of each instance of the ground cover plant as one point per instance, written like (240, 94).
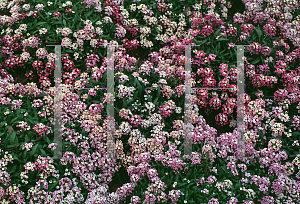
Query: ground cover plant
(149, 101)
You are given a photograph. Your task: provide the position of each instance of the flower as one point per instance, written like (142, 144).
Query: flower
(27, 146)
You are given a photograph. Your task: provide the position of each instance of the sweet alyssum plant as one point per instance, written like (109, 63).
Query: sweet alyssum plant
(149, 102)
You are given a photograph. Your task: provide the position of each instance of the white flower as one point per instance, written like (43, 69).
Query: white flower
(88, 22)
(58, 30)
(133, 7)
(69, 3)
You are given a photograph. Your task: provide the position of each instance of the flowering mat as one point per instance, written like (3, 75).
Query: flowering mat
(149, 93)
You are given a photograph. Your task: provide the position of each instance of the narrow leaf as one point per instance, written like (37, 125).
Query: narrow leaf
(13, 120)
(155, 101)
(43, 153)
(222, 39)
(259, 32)
(139, 88)
(256, 61)
(12, 138)
(1, 125)
(88, 13)
(41, 23)
(33, 150)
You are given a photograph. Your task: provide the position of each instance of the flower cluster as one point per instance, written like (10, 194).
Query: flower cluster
(221, 119)
(91, 61)
(23, 125)
(57, 14)
(41, 129)
(14, 61)
(27, 146)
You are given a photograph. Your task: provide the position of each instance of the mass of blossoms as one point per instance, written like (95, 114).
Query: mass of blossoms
(40, 39)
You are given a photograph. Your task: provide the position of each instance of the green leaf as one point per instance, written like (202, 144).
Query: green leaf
(33, 150)
(155, 101)
(16, 140)
(47, 139)
(32, 122)
(14, 166)
(43, 153)
(1, 125)
(217, 32)
(124, 102)
(24, 155)
(222, 39)
(88, 13)
(64, 23)
(296, 134)
(255, 61)
(19, 160)
(54, 185)
(12, 138)
(181, 184)
(26, 139)
(139, 88)
(10, 146)
(70, 51)
(188, 186)
(75, 21)
(259, 33)
(134, 96)
(41, 23)
(75, 7)
(149, 98)
(22, 110)
(203, 42)
(13, 120)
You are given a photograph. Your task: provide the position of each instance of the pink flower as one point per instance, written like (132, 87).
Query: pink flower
(274, 145)
(41, 53)
(174, 195)
(221, 119)
(266, 50)
(280, 95)
(206, 31)
(270, 30)
(209, 81)
(135, 120)
(254, 48)
(215, 103)
(57, 14)
(213, 201)
(120, 32)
